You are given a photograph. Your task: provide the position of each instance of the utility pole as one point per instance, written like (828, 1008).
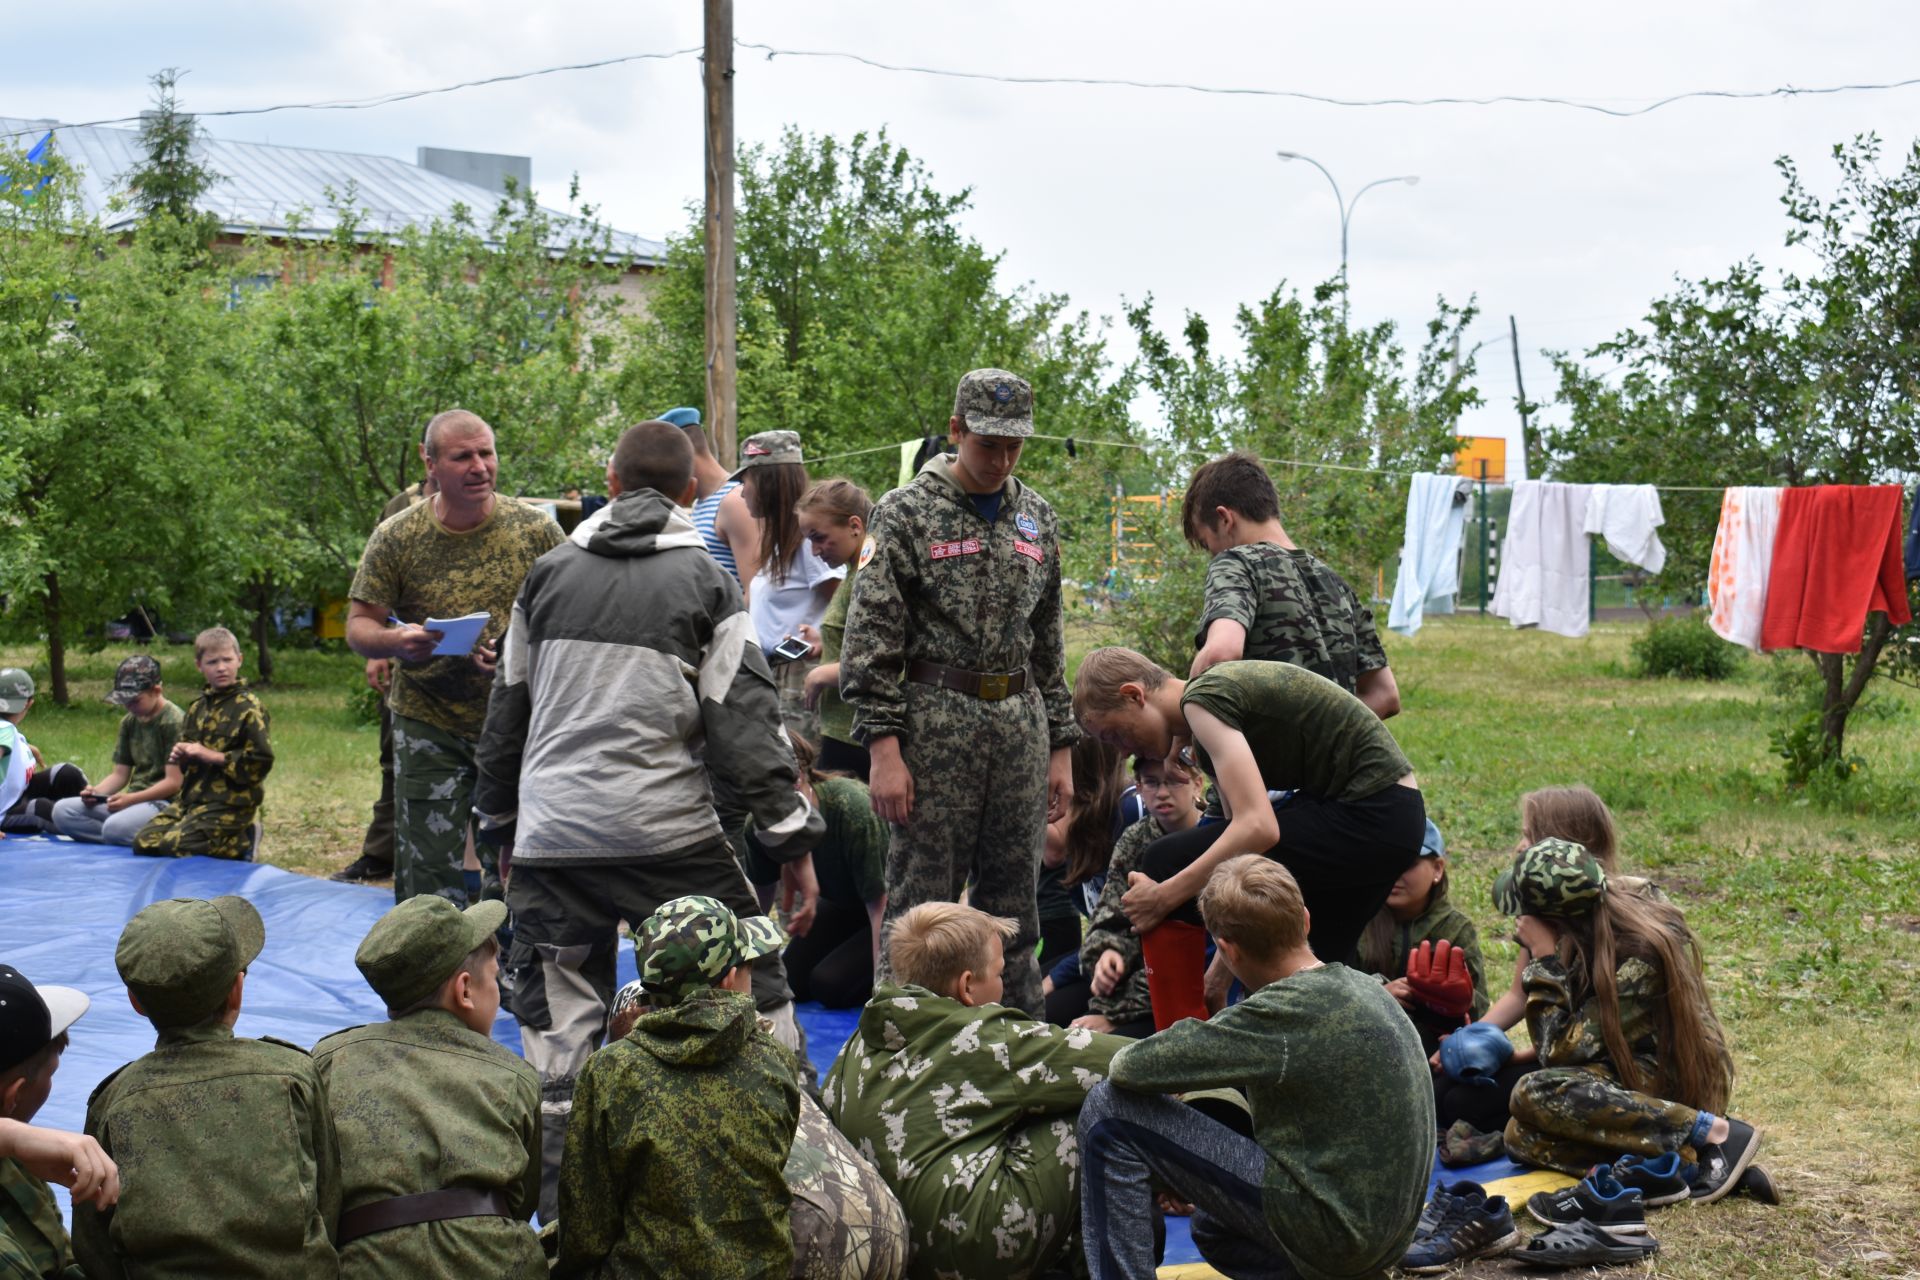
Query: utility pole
(722, 311)
(1526, 432)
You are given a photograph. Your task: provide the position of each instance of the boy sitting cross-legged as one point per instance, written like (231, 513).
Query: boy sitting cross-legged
(967, 1108)
(677, 1144)
(1332, 1183)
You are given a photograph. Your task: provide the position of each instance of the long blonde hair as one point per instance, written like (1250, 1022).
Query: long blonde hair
(1571, 813)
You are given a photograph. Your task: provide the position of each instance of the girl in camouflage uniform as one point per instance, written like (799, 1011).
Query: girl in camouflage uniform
(1633, 1060)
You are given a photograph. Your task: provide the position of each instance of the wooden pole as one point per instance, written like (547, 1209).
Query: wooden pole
(722, 313)
(1526, 432)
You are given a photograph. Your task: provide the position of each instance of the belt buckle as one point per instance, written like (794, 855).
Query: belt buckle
(994, 687)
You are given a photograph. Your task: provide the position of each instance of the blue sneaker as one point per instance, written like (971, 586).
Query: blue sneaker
(1663, 1179)
(1598, 1198)
(1468, 1227)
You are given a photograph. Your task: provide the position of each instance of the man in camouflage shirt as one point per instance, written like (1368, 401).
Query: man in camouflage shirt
(955, 666)
(223, 756)
(678, 1142)
(463, 550)
(1269, 600)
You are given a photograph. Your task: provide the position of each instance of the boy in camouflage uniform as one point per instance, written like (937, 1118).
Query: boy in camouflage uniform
(224, 757)
(439, 1127)
(1267, 599)
(224, 1145)
(680, 1132)
(966, 1107)
(955, 666)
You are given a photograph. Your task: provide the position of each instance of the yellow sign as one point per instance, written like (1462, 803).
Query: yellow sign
(1474, 450)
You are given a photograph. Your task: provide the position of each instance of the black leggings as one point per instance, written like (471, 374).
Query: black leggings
(833, 963)
(1345, 854)
(32, 813)
(1070, 1000)
(1484, 1106)
(836, 756)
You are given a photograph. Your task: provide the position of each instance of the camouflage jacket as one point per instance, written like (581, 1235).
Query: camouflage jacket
(847, 1223)
(233, 722)
(33, 1240)
(227, 1164)
(945, 586)
(421, 1103)
(1441, 920)
(1295, 609)
(676, 1154)
(1566, 1027)
(970, 1115)
(1110, 930)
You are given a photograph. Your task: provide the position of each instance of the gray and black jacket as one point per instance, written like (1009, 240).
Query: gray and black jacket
(631, 669)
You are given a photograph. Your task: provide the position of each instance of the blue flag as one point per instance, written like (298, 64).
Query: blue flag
(38, 157)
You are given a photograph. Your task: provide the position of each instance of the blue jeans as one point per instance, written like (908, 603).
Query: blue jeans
(1132, 1142)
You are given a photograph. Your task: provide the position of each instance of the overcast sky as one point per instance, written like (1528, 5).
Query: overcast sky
(1569, 220)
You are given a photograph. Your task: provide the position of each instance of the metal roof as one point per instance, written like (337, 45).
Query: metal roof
(265, 186)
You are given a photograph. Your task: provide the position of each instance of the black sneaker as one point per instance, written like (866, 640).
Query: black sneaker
(1598, 1198)
(361, 870)
(1469, 1228)
(1758, 1183)
(1660, 1180)
(1722, 1163)
(1440, 1205)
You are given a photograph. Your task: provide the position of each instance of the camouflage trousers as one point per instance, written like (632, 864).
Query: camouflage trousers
(433, 780)
(215, 831)
(1572, 1118)
(979, 814)
(847, 1224)
(377, 847)
(790, 679)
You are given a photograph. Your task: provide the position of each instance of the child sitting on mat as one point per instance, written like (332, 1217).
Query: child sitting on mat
(1332, 1183)
(224, 758)
(965, 1106)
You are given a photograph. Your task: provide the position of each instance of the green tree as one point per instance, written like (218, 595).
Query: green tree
(1757, 378)
(168, 183)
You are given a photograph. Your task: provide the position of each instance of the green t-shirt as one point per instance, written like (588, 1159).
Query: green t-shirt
(1307, 733)
(851, 858)
(417, 568)
(836, 717)
(143, 745)
(1295, 609)
(1342, 1105)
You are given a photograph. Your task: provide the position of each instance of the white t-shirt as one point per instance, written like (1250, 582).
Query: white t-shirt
(778, 609)
(15, 767)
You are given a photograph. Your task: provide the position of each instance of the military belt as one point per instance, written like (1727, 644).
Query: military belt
(427, 1206)
(990, 686)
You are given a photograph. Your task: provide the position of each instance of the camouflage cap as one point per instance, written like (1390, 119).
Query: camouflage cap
(180, 957)
(1552, 878)
(994, 402)
(769, 449)
(135, 676)
(419, 944)
(16, 690)
(693, 941)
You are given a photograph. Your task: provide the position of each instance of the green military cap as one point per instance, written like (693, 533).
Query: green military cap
(769, 449)
(16, 690)
(693, 941)
(420, 943)
(179, 957)
(994, 402)
(1552, 878)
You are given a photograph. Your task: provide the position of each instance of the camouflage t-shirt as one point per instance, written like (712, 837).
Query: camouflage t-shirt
(144, 745)
(1307, 733)
(417, 568)
(1295, 609)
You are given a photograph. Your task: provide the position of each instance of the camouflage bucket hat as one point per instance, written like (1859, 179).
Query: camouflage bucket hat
(693, 941)
(994, 402)
(135, 676)
(1552, 878)
(769, 449)
(16, 690)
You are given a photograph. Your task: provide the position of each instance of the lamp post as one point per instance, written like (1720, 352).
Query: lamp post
(1346, 209)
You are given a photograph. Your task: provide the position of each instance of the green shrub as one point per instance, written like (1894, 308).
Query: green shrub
(363, 703)
(1686, 648)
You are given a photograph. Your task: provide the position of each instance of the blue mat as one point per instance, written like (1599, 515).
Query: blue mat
(65, 904)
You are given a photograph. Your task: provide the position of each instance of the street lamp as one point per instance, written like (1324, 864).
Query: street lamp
(1346, 208)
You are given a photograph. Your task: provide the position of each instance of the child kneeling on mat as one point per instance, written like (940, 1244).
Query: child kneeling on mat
(1332, 1183)
(967, 1107)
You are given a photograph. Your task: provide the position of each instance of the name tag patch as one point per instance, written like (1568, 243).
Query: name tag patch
(964, 547)
(1028, 550)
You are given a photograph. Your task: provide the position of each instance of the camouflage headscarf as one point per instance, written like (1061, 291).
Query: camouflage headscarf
(1552, 878)
(692, 942)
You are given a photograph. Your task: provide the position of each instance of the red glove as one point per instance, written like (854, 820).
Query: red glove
(1439, 979)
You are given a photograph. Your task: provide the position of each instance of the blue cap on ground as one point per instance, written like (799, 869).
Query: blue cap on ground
(682, 417)
(1475, 1053)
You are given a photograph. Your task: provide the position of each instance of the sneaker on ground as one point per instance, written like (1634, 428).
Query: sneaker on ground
(1722, 1163)
(1758, 1183)
(1440, 1205)
(1660, 1179)
(1598, 1198)
(361, 870)
(1471, 1228)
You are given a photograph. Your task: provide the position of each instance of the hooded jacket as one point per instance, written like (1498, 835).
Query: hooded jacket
(630, 670)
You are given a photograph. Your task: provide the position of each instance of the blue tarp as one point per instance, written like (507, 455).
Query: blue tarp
(64, 904)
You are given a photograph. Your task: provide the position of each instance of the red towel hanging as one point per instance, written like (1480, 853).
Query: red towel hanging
(1836, 558)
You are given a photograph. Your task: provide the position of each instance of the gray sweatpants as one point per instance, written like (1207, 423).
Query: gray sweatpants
(91, 822)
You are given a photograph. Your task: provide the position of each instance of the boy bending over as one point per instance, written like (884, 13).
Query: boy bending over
(966, 1107)
(223, 755)
(1333, 1181)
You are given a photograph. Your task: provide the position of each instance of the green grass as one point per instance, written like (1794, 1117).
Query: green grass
(1810, 914)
